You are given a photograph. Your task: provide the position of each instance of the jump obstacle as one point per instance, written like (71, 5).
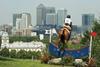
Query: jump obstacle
(55, 51)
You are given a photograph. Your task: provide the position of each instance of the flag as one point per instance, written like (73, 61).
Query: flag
(47, 31)
(93, 34)
(51, 31)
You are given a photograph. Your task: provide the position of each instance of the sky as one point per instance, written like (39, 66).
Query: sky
(75, 8)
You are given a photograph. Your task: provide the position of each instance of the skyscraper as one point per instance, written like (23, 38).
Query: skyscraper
(26, 20)
(51, 18)
(61, 15)
(41, 13)
(50, 10)
(87, 21)
(16, 16)
(18, 23)
(22, 23)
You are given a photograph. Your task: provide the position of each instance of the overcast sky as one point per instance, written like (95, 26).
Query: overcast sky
(75, 8)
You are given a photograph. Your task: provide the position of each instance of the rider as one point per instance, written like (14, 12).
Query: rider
(68, 24)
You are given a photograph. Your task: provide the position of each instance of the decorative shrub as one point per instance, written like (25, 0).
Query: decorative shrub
(67, 60)
(45, 58)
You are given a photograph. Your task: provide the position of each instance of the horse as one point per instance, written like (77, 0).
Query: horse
(64, 34)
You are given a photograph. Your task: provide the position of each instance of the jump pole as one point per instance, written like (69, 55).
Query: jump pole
(90, 47)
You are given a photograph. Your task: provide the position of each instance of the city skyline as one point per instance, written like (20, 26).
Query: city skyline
(75, 9)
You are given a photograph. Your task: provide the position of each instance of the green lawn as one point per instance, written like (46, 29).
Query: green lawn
(24, 63)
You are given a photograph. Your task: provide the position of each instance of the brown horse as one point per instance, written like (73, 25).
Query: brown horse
(64, 34)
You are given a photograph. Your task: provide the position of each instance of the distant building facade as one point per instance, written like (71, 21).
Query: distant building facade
(50, 10)
(61, 15)
(51, 19)
(22, 26)
(19, 24)
(87, 21)
(41, 13)
(76, 30)
(16, 16)
(7, 28)
(26, 20)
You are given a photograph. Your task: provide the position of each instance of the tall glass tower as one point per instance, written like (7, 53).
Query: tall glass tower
(61, 15)
(15, 17)
(41, 14)
(87, 21)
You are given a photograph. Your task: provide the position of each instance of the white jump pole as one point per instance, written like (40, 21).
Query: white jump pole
(50, 35)
(90, 47)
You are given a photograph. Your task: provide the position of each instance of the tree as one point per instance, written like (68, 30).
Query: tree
(96, 41)
(29, 55)
(36, 55)
(21, 54)
(22, 38)
(95, 28)
(13, 53)
(5, 52)
(0, 41)
(86, 38)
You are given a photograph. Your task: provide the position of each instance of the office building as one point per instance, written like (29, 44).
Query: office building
(51, 19)
(41, 14)
(22, 24)
(26, 20)
(18, 24)
(16, 16)
(50, 10)
(61, 15)
(6, 28)
(87, 21)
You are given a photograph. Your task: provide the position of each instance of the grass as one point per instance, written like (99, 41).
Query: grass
(75, 46)
(24, 63)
